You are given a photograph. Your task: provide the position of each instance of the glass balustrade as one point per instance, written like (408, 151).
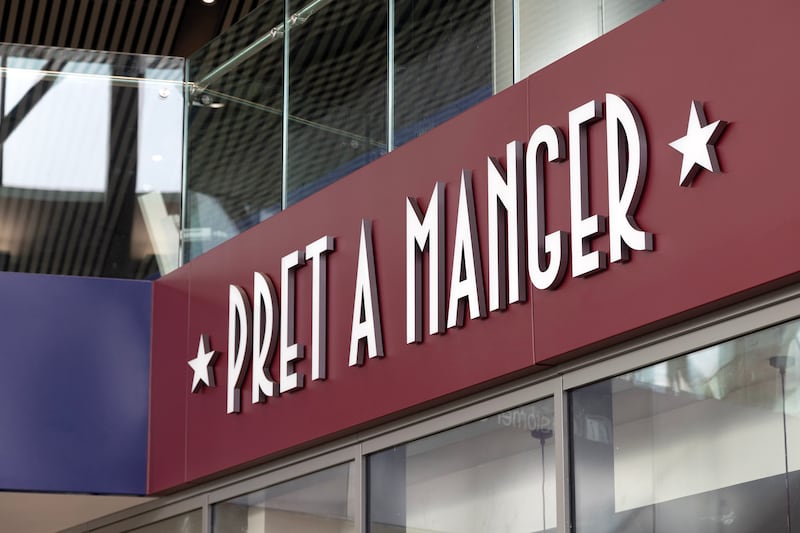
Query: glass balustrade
(127, 166)
(303, 92)
(91, 162)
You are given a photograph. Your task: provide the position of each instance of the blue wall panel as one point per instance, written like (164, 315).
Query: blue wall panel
(74, 363)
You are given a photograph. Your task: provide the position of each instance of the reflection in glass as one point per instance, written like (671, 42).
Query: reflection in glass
(186, 523)
(616, 12)
(234, 137)
(696, 443)
(443, 62)
(85, 135)
(322, 502)
(445, 57)
(496, 474)
(337, 90)
(68, 154)
(548, 30)
(531, 34)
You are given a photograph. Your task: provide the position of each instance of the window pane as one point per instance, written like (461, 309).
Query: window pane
(90, 167)
(531, 34)
(548, 30)
(234, 138)
(496, 474)
(62, 143)
(322, 502)
(337, 90)
(443, 62)
(692, 444)
(616, 12)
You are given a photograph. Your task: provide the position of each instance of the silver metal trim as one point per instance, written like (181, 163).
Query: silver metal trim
(288, 472)
(285, 120)
(184, 167)
(390, 80)
(207, 517)
(561, 448)
(517, 52)
(361, 489)
(149, 517)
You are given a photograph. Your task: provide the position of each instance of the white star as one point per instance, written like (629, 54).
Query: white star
(202, 364)
(697, 146)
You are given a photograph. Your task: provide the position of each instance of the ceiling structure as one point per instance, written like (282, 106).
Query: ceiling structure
(158, 27)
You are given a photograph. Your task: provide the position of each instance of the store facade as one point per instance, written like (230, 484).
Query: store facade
(695, 442)
(573, 306)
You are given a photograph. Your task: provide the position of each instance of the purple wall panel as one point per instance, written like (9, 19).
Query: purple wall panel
(74, 360)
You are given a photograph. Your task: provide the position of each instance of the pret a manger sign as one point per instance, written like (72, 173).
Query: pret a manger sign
(522, 253)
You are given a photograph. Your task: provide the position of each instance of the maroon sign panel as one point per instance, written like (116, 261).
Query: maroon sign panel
(655, 172)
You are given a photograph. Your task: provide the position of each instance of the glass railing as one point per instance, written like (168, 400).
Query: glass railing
(288, 101)
(91, 162)
(103, 153)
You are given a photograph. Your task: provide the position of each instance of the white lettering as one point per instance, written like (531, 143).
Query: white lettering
(466, 280)
(506, 244)
(626, 141)
(317, 252)
(583, 226)
(238, 345)
(540, 245)
(425, 232)
(265, 336)
(290, 351)
(367, 331)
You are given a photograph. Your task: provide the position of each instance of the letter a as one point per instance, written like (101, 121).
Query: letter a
(366, 332)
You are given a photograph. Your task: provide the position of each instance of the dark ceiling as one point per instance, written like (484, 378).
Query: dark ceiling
(159, 27)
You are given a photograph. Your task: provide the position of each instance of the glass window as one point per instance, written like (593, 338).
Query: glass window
(547, 30)
(443, 62)
(531, 34)
(616, 12)
(496, 474)
(697, 443)
(445, 57)
(61, 143)
(186, 523)
(234, 135)
(337, 90)
(322, 502)
(90, 166)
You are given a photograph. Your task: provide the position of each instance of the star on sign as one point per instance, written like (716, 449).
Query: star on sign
(201, 365)
(698, 145)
